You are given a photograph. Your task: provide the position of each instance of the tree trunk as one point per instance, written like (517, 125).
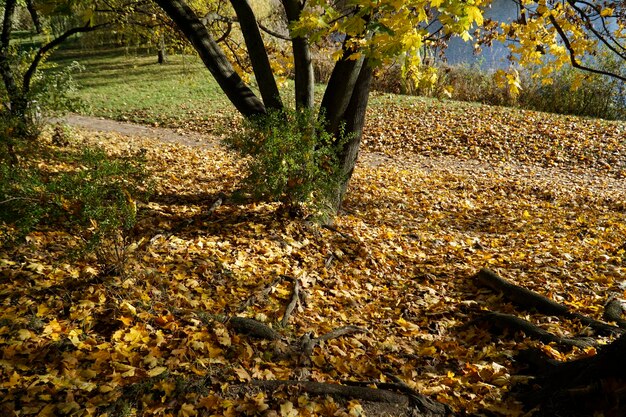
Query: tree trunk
(161, 53)
(258, 54)
(345, 100)
(354, 119)
(246, 102)
(34, 15)
(6, 72)
(583, 387)
(339, 91)
(303, 64)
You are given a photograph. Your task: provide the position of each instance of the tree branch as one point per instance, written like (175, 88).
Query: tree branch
(572, 54)
(242, 97)
(49, 47)
(591, 27)
(258, 54)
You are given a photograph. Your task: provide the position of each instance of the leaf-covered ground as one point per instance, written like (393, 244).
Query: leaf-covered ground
(441, 201)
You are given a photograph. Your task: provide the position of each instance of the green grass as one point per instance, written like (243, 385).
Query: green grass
(126, 84)
(133, 86)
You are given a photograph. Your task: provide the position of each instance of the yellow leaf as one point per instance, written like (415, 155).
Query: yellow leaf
(287, 410)
(355, 408)
(606, 12)
(129, 308)
(187, 410)
(242, 374)
(24, 334)
(156, 371)
(475, 15)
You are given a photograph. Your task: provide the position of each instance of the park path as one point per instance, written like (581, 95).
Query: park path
(568, 182)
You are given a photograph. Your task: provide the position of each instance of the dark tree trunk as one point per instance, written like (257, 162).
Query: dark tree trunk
(258, 54)
(339, 91)
(345, 100)
(246, 102)
(34, 15)
(303, 64)
(162, 53)
(582, 387)
(354, 119)
(6, 72)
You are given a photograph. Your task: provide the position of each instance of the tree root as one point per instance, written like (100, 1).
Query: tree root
(261, 294)
(528, 299)
(508, 321)
(613, 312)
(418, 404)
(581, 387)
(577, 388)
(253, 328)
(295, 300)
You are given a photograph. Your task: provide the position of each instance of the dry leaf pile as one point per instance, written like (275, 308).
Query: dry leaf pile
(397, 265)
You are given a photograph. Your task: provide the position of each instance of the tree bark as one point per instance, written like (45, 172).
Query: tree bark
(34, 15)
(246, 102)
(161, 53)
(258, 54)
(339, 91)
(354, 118)
(583, 387)
(13, 91)
(303, 63)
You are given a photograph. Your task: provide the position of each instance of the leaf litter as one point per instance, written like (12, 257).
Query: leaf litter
(466, 193)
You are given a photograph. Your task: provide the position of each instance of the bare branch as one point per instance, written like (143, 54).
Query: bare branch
(591, 27)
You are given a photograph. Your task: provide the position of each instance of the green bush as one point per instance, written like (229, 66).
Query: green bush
(292, 159)
(93, 199)
(579, 93)
(55, 90)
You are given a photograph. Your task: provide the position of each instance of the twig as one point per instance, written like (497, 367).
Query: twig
(334, 229)
(8, 200)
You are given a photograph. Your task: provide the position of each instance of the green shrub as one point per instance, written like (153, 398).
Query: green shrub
(292, 159)
(55, 90)
(93, 199)
(580, 93)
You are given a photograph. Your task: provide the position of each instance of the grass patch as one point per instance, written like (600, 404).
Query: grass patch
(128, 85)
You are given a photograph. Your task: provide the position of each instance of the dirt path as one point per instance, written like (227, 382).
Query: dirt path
(163, 134)
(569, 183)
